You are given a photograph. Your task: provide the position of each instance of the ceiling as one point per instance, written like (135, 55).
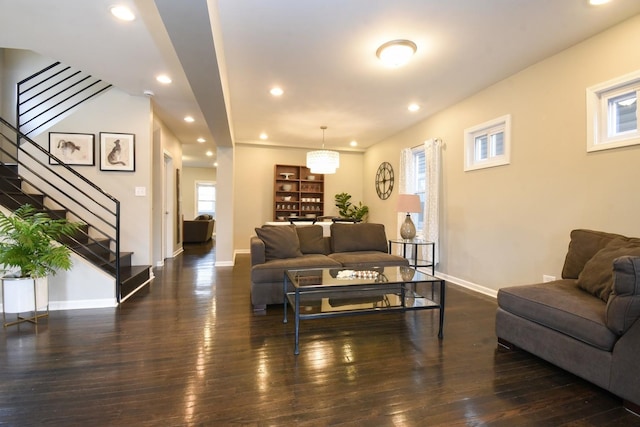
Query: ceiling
(223, 57)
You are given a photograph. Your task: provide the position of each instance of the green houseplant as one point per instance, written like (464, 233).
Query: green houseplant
(346, 209)
(27, 244)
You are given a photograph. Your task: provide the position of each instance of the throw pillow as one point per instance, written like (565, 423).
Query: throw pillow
(597, 275)
(279, 242)
(358, 237)
(311, 239)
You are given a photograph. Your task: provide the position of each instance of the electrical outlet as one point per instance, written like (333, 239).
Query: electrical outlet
(547, 278)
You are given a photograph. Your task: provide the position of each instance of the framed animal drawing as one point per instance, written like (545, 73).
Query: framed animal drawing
(117, 152)
(73, 149)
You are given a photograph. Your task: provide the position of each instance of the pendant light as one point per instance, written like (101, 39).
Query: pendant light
(323, 161)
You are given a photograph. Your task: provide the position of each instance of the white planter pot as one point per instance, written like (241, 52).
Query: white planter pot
(20, 295)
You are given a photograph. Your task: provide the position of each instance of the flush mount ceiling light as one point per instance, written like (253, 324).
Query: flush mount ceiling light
(123, 13)
(323, 161)
(201, 140)
(189, 119)
(598, 2)
(396, 52)
(413, 107)
(264, 136)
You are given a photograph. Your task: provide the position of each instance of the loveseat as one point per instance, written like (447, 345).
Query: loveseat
(587, 322)
(198, 230)
(277, 248)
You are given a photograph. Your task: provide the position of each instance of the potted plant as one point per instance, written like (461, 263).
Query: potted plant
(29, 250)
(348, 210)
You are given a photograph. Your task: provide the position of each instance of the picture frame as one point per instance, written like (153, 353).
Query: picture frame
(117, 152)
(74, 149)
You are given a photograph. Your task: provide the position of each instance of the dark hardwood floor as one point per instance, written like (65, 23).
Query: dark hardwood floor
(190, 351)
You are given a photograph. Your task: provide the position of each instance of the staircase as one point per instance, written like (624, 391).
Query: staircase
(96, 250)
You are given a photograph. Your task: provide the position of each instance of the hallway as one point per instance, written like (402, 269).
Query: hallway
(189, 351)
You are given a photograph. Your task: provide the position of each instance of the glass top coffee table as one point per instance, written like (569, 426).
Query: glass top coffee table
(330, 292)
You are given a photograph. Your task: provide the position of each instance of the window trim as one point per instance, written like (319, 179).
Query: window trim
(598, 97)
(470, 134)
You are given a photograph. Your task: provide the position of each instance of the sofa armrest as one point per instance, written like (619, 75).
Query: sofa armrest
(257, 251)
(623, 306)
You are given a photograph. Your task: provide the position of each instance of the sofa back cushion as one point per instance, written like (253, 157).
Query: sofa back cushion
(597, 275)
(358, 237)
(280, 241)
(311, 239)
(583, 246)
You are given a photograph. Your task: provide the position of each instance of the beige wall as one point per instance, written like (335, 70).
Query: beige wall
(189, 178)
(253, 176)
(509, 225)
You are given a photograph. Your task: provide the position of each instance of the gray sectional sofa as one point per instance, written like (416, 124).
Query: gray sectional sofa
(587, 322)
(277, 248)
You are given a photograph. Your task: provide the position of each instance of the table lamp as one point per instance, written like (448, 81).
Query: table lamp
(408, 203)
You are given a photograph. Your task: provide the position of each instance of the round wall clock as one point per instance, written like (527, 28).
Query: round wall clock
(384, 180)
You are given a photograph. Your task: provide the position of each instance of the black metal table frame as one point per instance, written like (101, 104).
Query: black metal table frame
(364, 287)
(415, 244)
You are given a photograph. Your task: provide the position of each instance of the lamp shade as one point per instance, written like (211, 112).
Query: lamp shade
(409, 203)
(323, 161)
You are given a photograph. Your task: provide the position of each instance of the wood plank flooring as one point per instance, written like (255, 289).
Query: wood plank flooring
(190, 351)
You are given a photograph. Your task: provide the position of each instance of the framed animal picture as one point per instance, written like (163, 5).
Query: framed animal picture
(73, 149)
(117, 152)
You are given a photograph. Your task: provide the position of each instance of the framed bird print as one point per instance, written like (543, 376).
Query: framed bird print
(73, 149)
(117, 152)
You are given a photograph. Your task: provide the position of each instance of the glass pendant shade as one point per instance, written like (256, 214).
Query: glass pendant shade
(323, 161)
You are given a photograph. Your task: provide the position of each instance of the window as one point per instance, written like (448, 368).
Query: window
(488, 144)
(612, 113)
(420, 183)
(205, 198)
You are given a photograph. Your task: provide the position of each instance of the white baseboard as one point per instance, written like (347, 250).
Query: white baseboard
(469, 285)
(82, 304)
(224, 264)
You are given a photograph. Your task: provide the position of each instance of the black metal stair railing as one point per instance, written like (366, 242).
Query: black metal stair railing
(60, 190)
(50, 93)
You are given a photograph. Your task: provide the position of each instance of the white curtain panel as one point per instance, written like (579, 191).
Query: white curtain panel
(405, 183)
(433, 164)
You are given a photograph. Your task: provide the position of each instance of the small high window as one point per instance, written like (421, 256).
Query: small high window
(612, 113)
(488, 144)
(206, 198)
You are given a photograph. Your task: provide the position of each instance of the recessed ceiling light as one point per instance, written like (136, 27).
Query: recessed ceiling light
(209, 153)
(201, 140)
(413, 107)
(276, 91)
(353, 143)
(189, 119)
(598, 2)
(215, 164)
(164, 79)
(264, 136)
(123, 13)
(396, 52)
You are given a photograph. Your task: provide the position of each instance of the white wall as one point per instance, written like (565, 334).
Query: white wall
(510, 225)
(254, 169)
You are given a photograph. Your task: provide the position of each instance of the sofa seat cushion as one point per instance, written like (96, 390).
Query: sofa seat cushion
(273, 270)
(363, 259)
(563, 307)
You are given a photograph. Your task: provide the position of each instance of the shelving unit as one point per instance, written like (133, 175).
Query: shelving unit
(295, 195)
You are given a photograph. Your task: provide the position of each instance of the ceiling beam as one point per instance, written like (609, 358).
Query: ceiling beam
(191, 32)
